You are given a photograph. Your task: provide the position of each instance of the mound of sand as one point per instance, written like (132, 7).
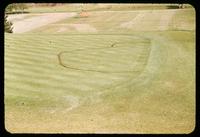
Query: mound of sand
(29, 24)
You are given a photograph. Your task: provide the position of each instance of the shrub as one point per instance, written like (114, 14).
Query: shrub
(7, 25)
(20, 7)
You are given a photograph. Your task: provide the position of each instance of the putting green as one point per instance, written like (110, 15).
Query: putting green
(135, 74)
(127, 56)
(38, 88)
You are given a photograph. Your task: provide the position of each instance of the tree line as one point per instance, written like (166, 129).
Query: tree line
(12, 8)
(16, 7)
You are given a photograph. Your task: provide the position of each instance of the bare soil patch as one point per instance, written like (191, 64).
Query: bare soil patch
(29, 24)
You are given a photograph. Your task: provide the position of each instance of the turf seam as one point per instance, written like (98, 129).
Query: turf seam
(92, 70)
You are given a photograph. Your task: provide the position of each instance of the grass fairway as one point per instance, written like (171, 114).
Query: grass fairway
(135, 79)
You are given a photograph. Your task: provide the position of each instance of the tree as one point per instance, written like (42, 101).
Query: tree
(7, 25)
(181, 6)
(11, 7)
(21, 7)
(16, 7)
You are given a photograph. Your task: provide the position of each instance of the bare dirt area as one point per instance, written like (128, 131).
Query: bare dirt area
(29, 24)
(16, 17)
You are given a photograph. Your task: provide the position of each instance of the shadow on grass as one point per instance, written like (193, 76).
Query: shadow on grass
(173, 7)
(18, 12)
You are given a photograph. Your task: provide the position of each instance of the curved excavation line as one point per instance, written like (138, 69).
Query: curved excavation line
(145, 75)
(60, 60)
(92, 70)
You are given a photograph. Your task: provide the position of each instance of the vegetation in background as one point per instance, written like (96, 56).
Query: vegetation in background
(50, 7)
(7, 24)
(16, 7)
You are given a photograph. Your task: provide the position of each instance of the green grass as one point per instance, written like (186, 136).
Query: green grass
(144, 84)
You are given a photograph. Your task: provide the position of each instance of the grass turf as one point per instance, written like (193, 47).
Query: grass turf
(43, 96)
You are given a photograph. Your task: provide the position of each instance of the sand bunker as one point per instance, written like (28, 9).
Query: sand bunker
(38, 21)
(16, 17)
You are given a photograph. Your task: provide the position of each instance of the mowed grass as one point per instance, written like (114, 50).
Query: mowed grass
(145, 83)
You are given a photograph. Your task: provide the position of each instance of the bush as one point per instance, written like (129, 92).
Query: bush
(21, 7)
(16, 7)
(7, 25)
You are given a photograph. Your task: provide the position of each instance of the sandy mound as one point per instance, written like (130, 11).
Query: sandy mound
(38, 21)
(16, 17)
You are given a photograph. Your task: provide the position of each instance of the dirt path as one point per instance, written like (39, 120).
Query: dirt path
(16, 17)
(133, 21)
(29, 24)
